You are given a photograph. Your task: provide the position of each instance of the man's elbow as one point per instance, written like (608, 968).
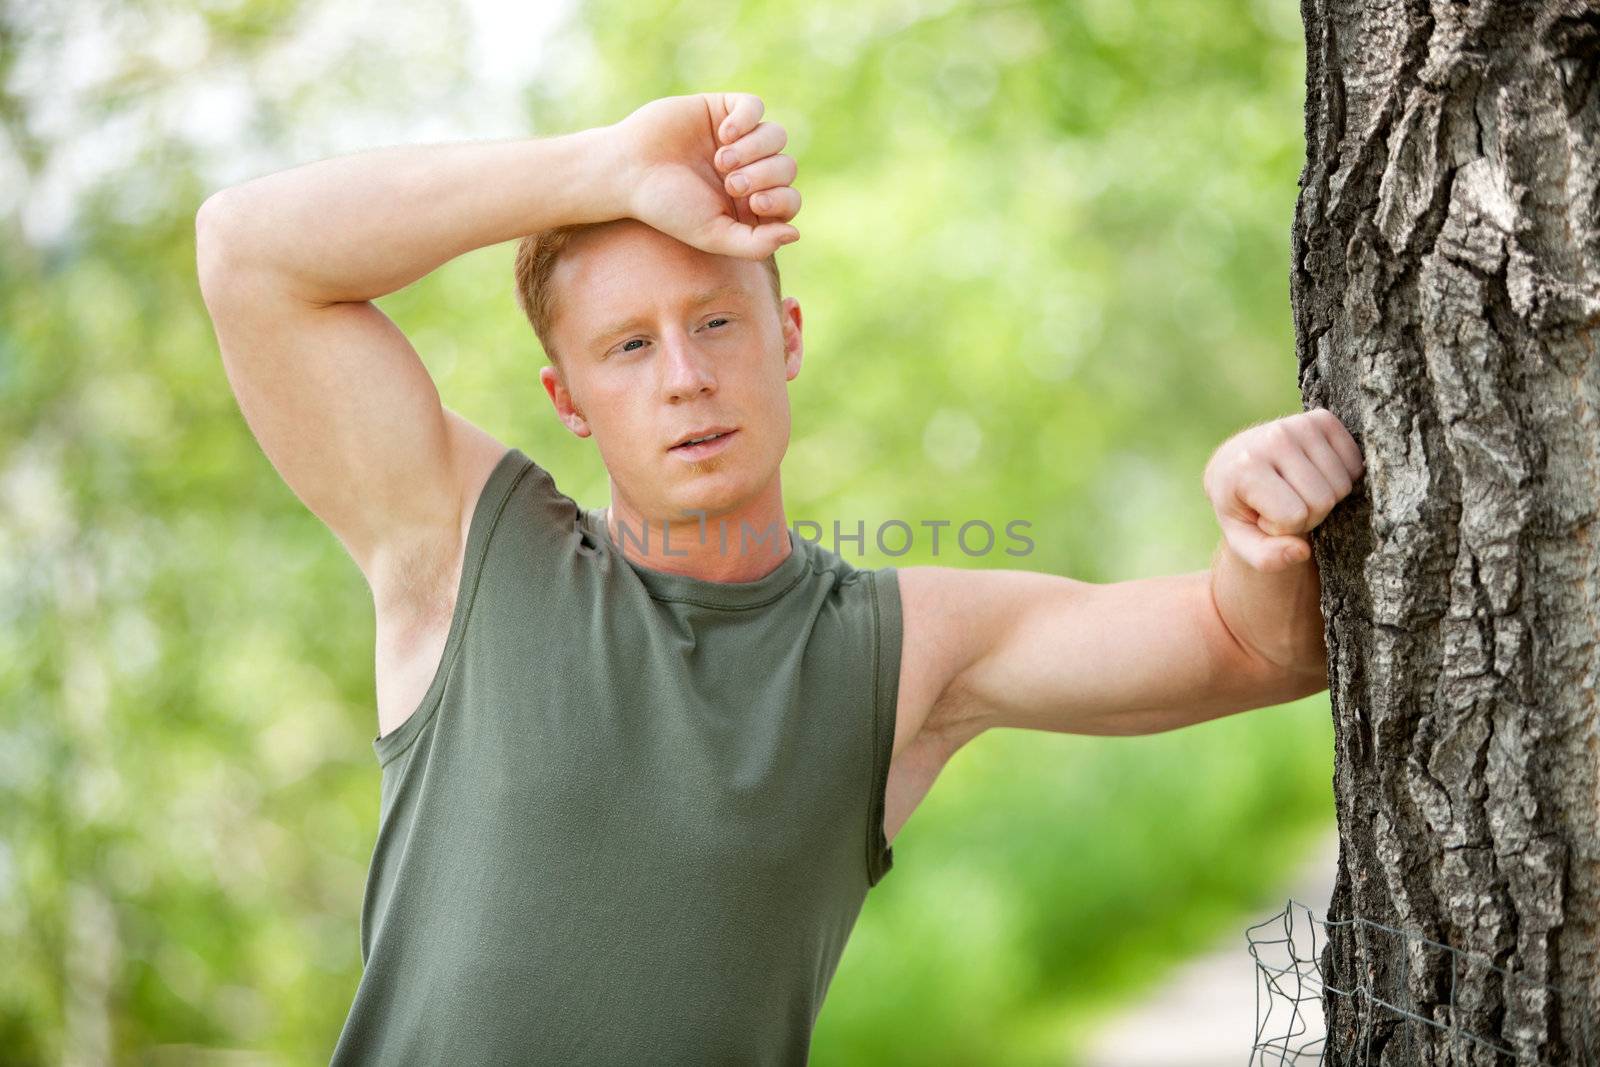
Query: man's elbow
(211, 243)
(233, 275)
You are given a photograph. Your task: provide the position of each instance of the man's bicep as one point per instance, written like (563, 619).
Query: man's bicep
(1120, 658)
(344, 409)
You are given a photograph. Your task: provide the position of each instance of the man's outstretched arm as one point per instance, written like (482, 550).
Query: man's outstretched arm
(1032, 650)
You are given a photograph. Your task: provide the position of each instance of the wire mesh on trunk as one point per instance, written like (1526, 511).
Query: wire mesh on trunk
(1290, 991)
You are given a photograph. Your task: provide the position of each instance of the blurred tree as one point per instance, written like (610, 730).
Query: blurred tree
(1042, 275)
(1446, 286)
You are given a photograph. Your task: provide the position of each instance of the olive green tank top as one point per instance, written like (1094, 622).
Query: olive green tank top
(636, 814)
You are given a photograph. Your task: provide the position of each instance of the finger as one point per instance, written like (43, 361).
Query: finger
(780, 203)
(762, 174)
(1264, 552)
(1307, 479)
(762, 141)
(1279, 508)
(751, 242)
(1340, 440)
(744, 111)
(1321, 453)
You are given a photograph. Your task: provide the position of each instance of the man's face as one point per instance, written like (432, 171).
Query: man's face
(658, 340)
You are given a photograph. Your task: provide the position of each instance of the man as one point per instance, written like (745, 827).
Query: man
(641, 765)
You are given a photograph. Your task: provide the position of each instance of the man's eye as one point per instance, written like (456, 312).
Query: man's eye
(639, 340)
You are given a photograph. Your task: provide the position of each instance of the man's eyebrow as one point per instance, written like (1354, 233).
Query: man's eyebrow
(624, 325)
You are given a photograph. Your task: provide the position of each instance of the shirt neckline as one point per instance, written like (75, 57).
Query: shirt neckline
(666, 585)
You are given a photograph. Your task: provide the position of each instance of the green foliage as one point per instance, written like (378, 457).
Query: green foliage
(1044, 272)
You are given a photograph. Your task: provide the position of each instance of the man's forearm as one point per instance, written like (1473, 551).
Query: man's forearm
(358, 226)
(1277, 616)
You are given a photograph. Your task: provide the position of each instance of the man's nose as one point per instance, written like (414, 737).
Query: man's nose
(686, 370)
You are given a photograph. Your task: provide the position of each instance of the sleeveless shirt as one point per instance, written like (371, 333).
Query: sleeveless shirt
(636, 813)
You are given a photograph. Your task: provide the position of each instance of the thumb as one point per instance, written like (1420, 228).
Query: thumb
(733, 238)
(1268, 553)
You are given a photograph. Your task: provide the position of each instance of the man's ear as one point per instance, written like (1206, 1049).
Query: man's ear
(566, 406)
(790, 319)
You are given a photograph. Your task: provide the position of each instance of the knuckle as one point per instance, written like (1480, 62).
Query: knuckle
(1283, 513)
(780, 201)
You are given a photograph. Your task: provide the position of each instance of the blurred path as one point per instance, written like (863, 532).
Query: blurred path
(1203, 1013)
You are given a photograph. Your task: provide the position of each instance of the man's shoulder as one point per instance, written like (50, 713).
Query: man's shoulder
(477, 454)
(948, 617)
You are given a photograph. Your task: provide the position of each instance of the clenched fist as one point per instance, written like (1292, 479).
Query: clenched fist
(706, 170)
(1274, 483)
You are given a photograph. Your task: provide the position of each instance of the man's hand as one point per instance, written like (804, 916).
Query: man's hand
(685, 158)
(1273, 483)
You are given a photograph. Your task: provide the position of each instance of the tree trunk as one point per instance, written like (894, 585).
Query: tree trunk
(1446, 293)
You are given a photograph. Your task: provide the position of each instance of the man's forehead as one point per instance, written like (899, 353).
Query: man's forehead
(608, 293)
(622, 254)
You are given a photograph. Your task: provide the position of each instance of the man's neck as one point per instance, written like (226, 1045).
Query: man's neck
(739, 545)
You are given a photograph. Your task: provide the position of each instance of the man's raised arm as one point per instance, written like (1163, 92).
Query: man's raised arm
(335, 394)
(337, 397)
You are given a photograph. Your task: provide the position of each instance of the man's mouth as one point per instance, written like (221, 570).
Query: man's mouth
(704, 441)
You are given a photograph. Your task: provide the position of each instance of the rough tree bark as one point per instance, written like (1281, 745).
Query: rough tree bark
(1446, 292)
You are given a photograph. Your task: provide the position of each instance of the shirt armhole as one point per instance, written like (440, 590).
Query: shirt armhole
(886, 627)
(486, 513)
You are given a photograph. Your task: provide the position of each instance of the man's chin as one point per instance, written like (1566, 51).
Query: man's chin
(712, 493)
